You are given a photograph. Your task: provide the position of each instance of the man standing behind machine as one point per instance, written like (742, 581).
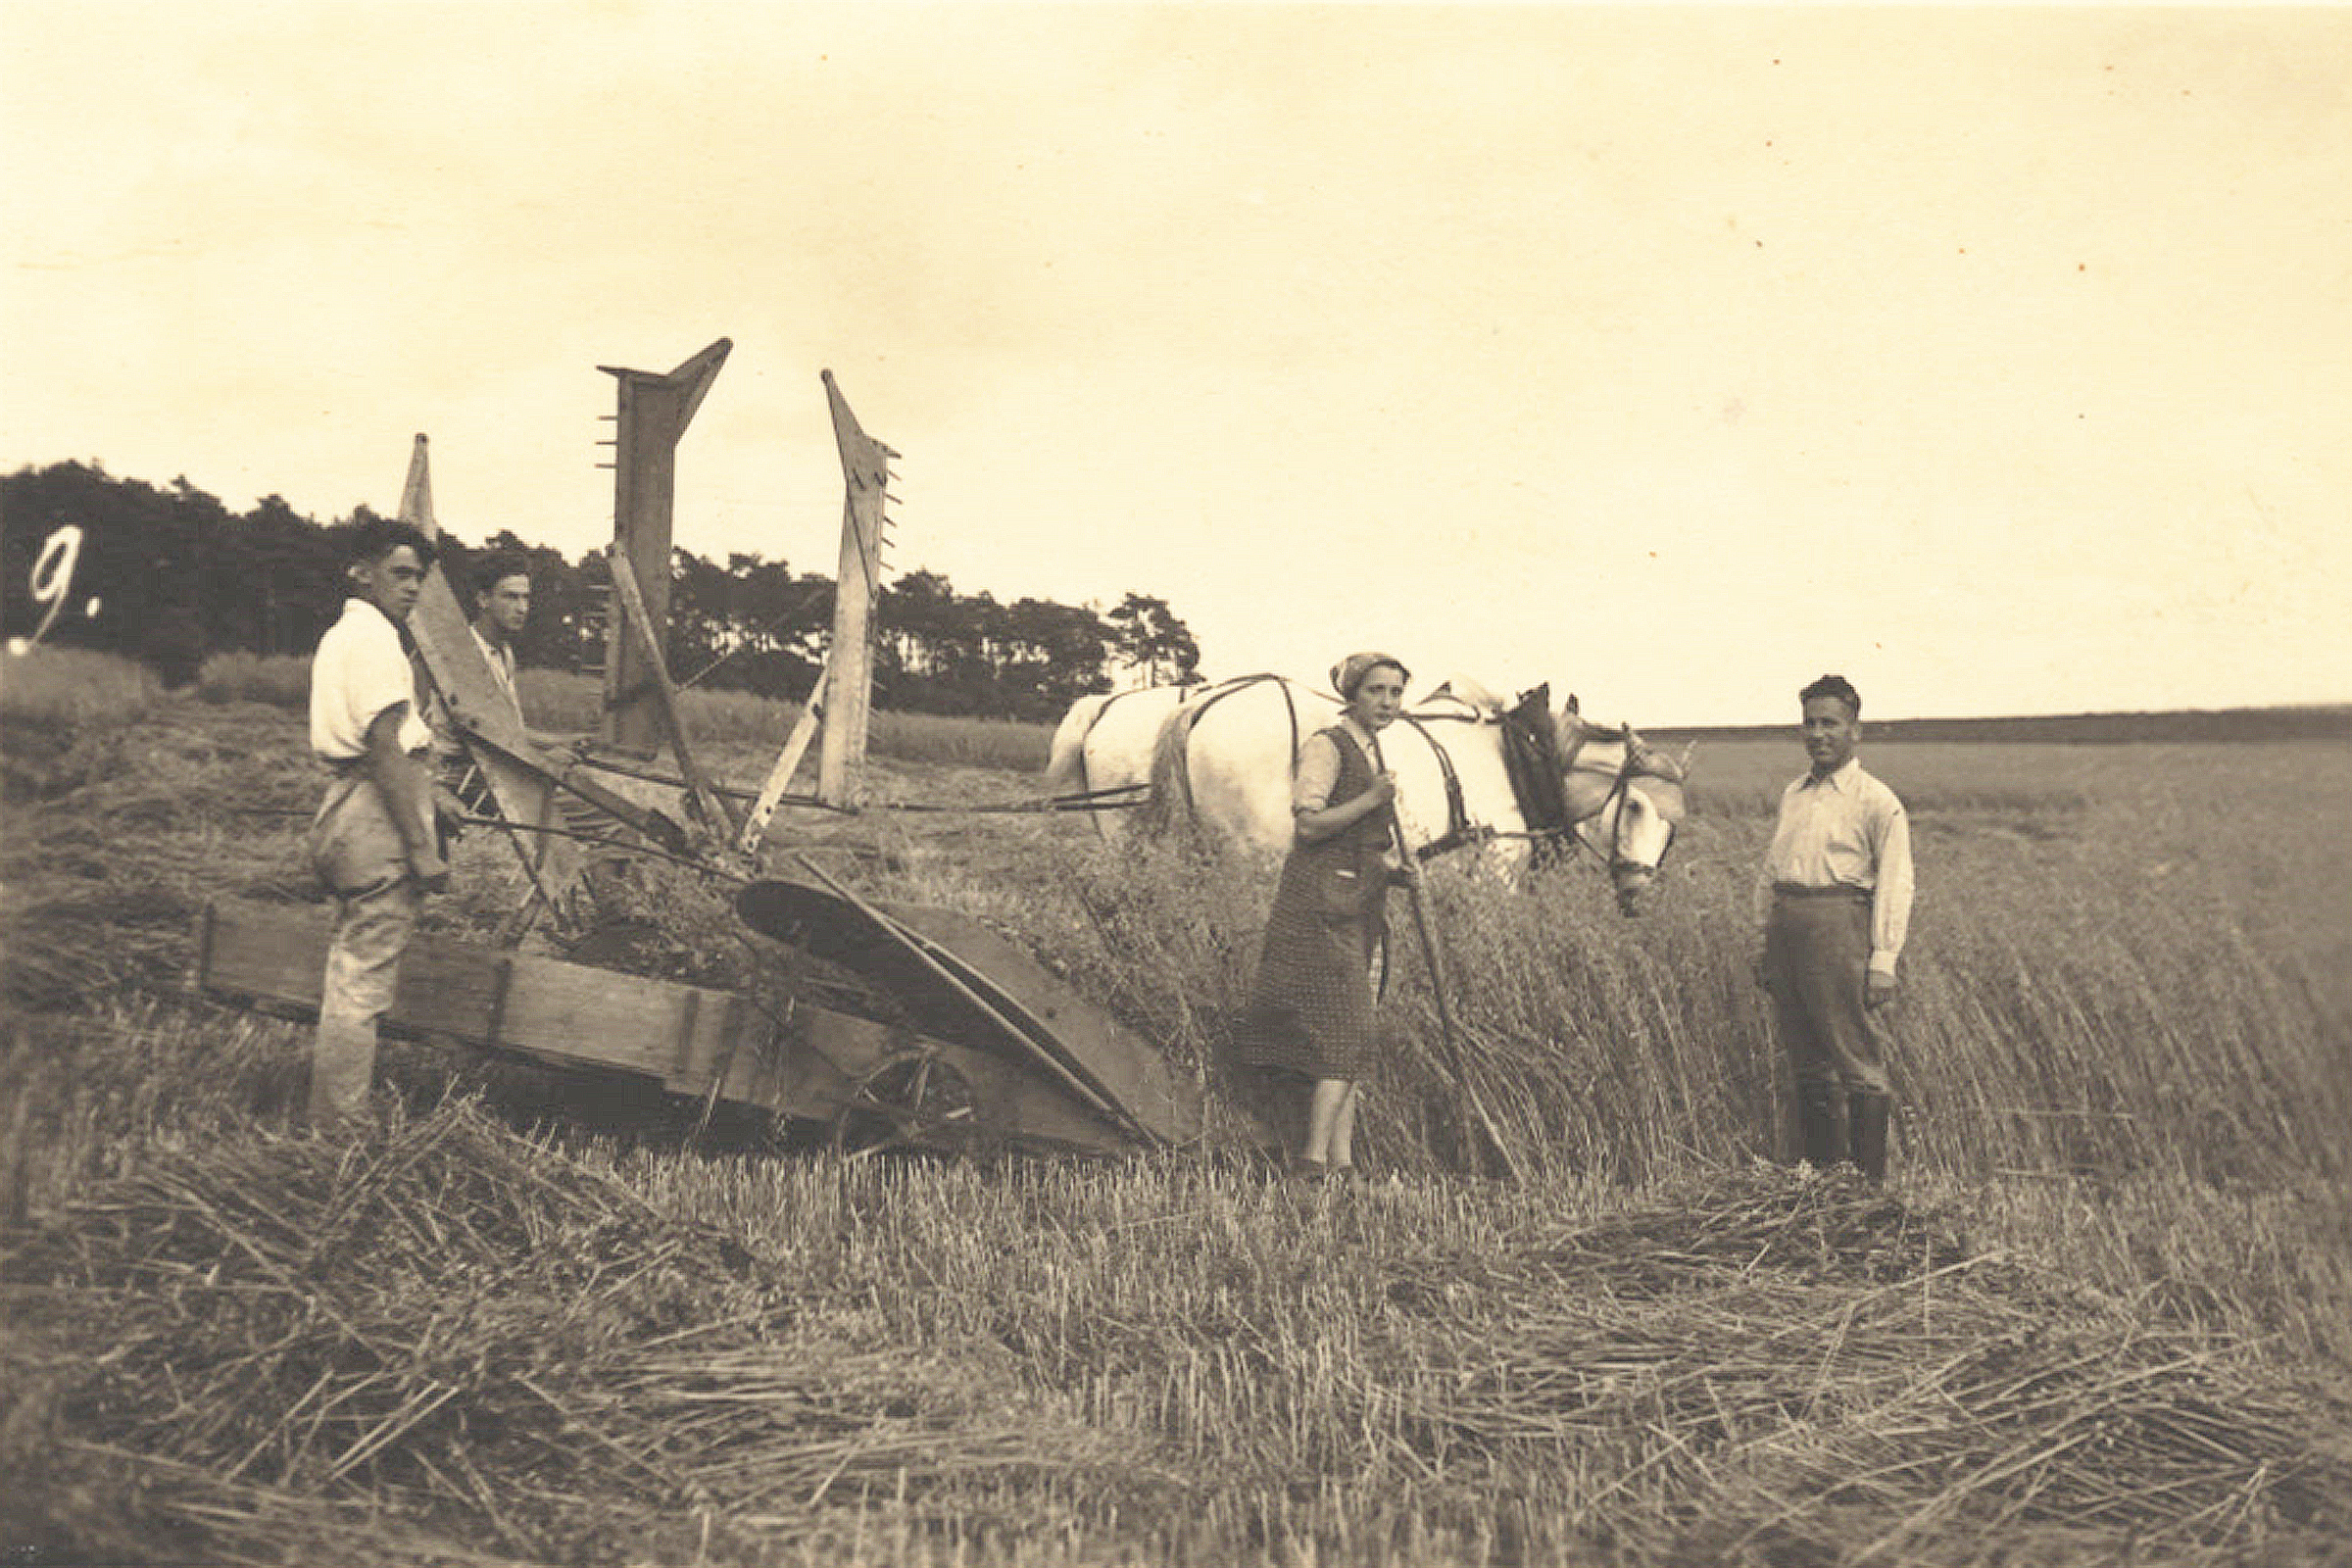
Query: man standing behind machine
(501, 585)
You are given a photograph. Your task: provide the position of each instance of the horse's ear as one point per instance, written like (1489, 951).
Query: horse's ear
(1649, 760)
(1571, 710)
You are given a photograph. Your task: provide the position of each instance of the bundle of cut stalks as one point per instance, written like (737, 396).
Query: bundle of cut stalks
(1785, 1367)
(442, 1336)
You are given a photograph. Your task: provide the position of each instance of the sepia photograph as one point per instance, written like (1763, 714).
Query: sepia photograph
(1210, 784)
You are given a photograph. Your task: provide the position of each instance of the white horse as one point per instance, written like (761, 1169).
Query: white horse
(1101, 756)
(1468, 772)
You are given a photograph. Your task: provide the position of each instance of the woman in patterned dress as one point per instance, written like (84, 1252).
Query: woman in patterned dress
(1310, 1005)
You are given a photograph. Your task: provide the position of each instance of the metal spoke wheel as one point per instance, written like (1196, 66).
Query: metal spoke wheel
(910, 1101)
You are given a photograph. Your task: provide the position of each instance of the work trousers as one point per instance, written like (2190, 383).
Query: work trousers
(357, 854)
(1817, 963)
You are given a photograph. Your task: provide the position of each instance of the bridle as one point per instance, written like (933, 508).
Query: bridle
(1461, 832)
(1619, 788)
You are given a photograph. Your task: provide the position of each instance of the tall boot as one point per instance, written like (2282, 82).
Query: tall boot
(1821, 1112)
(1868, 1114)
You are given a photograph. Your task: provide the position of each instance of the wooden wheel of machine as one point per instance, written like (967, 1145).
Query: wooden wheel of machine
(910, 1101)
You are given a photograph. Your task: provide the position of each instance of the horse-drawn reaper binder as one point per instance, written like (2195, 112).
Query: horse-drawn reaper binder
(978, 1045)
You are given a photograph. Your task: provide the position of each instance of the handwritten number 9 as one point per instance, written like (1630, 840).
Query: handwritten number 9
(52, 573)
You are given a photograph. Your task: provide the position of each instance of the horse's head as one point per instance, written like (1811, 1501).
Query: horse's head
(1623, 797)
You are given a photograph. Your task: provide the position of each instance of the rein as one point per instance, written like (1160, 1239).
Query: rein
(1458, 830)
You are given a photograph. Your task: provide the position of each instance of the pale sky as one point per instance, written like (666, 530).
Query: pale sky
(2000, 360)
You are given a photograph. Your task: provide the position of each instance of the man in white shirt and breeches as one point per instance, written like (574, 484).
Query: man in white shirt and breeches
(374, 841)
(1835, 900)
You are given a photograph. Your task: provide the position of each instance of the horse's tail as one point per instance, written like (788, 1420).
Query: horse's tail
(1170, 802)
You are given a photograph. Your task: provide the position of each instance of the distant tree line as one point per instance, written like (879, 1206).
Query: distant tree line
(2306, 721)
(170, 576)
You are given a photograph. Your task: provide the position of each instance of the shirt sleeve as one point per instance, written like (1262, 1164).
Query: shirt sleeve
(380, 677)
(1890, 899)
(1318, 772)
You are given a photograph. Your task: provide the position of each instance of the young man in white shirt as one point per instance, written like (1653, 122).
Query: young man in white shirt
(1835, 900)
(374, 841)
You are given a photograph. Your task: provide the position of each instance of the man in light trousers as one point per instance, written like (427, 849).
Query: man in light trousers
(1835, 901)
(374, 841)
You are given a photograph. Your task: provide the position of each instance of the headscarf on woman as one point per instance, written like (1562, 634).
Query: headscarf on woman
(1349, 672)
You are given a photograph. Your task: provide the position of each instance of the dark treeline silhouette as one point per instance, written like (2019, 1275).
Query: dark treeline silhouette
(170, 576)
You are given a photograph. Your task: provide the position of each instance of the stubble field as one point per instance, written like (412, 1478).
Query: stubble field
(2100, 1314)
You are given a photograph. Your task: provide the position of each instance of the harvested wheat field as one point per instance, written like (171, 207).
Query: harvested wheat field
(2102, 1313)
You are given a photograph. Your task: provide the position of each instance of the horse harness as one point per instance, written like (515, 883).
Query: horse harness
(1535, 766)
(1459, 829)
(1190, 714)
(1085, 783)
(1458, 814)
(1532, 762)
